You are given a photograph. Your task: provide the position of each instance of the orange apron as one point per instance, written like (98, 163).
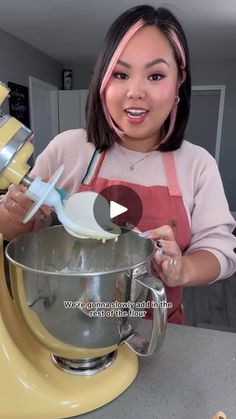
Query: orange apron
(161, 205)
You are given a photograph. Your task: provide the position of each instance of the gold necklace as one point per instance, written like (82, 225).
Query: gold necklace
(133, 164)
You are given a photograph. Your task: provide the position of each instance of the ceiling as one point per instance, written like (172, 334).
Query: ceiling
(71, 31)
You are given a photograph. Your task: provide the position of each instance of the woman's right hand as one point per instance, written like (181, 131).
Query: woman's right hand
(18, 204)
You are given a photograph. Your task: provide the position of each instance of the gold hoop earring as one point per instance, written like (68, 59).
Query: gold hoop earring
(177, 100)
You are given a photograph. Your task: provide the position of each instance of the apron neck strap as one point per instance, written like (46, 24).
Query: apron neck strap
(171, 174)
(93, 167)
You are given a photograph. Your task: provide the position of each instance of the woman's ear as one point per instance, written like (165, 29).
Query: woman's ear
(182, 79)
(183, 76)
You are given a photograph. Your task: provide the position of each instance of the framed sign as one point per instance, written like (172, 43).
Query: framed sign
(19, 103)
(67, 79)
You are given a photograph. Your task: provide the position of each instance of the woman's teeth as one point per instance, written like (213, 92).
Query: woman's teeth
(135, 113)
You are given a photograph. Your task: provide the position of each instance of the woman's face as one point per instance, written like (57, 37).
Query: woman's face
(142, 89)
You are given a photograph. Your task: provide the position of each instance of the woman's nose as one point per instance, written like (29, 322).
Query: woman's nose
(136, 92)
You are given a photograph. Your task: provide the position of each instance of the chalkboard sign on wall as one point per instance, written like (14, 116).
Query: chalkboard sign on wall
(19, 103)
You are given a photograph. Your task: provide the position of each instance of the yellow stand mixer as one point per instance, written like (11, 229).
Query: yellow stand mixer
(34, 385)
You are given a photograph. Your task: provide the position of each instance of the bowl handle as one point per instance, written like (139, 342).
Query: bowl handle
(2, 271)
(141, 346)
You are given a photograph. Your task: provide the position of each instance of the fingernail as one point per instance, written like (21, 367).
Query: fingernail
(144, 234)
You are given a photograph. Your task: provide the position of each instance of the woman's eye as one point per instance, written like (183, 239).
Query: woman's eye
(156, 77)
(120, 76)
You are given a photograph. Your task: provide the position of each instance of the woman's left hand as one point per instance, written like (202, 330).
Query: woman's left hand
(168, 260)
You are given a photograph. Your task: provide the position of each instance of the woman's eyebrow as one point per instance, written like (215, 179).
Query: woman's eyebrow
(123, 63)
(148, 65)
(157, 61)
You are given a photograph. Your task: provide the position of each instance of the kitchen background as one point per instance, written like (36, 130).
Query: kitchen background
(40, 40)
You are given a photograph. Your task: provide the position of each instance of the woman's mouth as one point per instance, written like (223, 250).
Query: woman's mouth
(136, 115)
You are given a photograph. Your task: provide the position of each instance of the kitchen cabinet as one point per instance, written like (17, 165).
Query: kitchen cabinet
(71, 109)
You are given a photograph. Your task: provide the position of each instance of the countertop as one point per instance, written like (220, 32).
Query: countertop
(192, 376)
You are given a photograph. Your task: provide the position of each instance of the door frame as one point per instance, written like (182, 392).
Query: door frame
(53, 92)
(221, 89)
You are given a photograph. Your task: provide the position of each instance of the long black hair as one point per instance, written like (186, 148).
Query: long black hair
(98, 129)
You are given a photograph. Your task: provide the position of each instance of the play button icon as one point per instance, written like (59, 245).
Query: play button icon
(116, 209)
(123, 208)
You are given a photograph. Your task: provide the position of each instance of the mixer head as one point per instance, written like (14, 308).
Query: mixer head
(14, 140)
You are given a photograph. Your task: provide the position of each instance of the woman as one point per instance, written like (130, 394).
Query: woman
(137, 111)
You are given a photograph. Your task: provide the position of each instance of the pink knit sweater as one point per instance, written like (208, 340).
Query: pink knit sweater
(199, 180)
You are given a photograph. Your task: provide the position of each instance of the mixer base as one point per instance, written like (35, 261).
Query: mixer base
(88, 366)
(32, 393)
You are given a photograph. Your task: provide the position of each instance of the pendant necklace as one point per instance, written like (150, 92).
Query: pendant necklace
(132, 164)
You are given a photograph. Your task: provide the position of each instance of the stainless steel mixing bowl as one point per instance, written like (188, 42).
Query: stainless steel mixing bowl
(82, 298)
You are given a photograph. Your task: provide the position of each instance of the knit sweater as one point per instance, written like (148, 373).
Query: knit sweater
(203, 195)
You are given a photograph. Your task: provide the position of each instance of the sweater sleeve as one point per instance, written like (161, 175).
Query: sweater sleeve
(211, 221)
(71, 149)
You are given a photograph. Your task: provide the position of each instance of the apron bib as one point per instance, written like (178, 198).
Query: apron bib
(162, 205)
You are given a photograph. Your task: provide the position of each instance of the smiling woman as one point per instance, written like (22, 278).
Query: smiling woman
(137, 112)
